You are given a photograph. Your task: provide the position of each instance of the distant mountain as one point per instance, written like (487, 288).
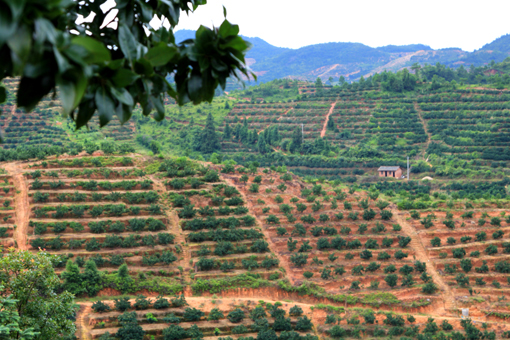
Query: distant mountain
(501, 44)
(405, 48)
(353, 60)
(260, 50)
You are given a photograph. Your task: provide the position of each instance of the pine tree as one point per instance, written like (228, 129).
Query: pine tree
(209, 141)
(227, 133)
(262, 145)
(331, 124)
(237, 132)
(253, 137)
(295, 145)
(267, 135)
(275, 137)
(244, 134)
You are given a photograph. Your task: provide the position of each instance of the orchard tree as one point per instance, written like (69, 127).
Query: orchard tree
(130, 329)
(10, 321)
(215, 314)
(115, 61)
(391, 280)
(29, 279)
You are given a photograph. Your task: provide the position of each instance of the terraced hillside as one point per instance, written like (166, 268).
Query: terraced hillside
(99, 208)
(45, 125)
(223, 238)
(470, 247)
(8, 209)
(182, 249)
(336, 131)
(181, 317)
(344, 242)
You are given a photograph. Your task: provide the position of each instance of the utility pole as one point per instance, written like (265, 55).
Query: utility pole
(407, 167)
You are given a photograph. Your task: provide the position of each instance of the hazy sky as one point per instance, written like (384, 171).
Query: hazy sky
(467, 24)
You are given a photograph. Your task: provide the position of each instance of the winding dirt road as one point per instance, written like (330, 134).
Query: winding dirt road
(421, 255)
(22, 205)
(324, 128)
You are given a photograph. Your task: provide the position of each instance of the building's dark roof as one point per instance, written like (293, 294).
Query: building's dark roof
(388, 168)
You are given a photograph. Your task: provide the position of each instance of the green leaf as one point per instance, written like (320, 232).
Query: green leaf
(160, 54)
(195, 88)
(7, 25)
(105, 106)
(3, 94)
(31, 90)
(21, 42)
(124, 77)
(71, 90)
(144, 67)
(122, 96)
(16, 7)
(127, 43)
(97, 51)
(67, 94)
(63, 64)
(227, 29)
(123, 112)
(173, 12)
(45, 30)
(85, 112)
(10, 13)
(238, 44)
(146, 10)
(160, 108)
(115, 64)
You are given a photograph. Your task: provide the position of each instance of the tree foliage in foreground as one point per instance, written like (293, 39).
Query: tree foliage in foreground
(98, 68)
(30, 280)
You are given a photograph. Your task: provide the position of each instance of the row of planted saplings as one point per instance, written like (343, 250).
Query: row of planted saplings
(102, 242)
(92, 185)
(345, 229)
(250, 262)
(263, 317)
(146, 258)
(100, 226)
(146, 197)
(81, 162)
(94, 211)
(128, 172)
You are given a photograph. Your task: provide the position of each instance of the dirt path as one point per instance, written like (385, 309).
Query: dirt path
(329, 69)
(323, 132)
(396, 63)
(429, 135)
(174, 227)
(233, 181)
(285, 113)
(421, 255)
(22, 205)
(82, 327)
